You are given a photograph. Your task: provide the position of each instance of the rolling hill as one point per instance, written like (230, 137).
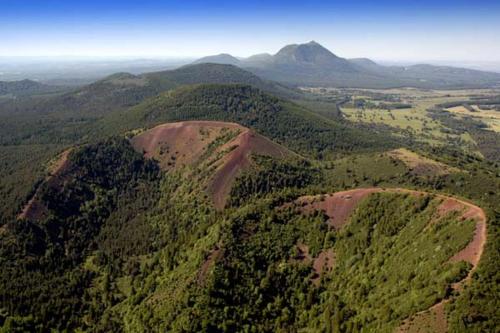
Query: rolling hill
(222, 58)
(72, 116)
(282, 121)
(123, 90)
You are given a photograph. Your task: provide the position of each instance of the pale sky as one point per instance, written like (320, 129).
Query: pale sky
(384, 30)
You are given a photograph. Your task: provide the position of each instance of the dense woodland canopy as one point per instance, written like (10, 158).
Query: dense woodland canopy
(121, 245)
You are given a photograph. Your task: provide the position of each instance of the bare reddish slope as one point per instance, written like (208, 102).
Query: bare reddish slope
(337, 206)
(238, 159)
(179, 144)
(176, 145)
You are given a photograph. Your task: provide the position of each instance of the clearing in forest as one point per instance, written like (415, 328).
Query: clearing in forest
(420, 165)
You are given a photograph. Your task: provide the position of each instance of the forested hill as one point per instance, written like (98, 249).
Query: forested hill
(71, 116)
(123, 90)
(124, 236)
(222, 74)
(196, 200)
(285, 122)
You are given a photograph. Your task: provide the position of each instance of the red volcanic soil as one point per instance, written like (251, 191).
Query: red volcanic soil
(246, 144)
(182, 143)
(35, 209)
(430, 320)
(185, 143)
(449, 205)
(337, 206)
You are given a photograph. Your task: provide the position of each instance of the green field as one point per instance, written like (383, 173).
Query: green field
(413, 121)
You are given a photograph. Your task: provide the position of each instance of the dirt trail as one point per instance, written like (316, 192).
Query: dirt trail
(34, 208)
(207, 264)
(339, 206)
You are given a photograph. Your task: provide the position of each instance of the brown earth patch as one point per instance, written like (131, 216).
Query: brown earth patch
(324, 262)
(420, 165)
(448, 206)
(35, 209)
(238, 159)
(433, 320)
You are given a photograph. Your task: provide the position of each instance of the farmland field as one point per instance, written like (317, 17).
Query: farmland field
(489, 117)
(417, 114)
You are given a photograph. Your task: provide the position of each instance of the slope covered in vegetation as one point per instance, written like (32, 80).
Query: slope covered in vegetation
(286, 123)
(126, 247)
(127, 233)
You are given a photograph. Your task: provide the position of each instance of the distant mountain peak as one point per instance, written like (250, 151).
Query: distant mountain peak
(312, 54)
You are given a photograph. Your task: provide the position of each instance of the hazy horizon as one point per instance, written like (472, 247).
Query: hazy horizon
(430, 31)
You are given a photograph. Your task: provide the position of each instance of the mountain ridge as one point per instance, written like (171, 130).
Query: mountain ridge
(314, 65)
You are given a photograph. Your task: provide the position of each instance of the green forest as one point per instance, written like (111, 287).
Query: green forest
(115, 243)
